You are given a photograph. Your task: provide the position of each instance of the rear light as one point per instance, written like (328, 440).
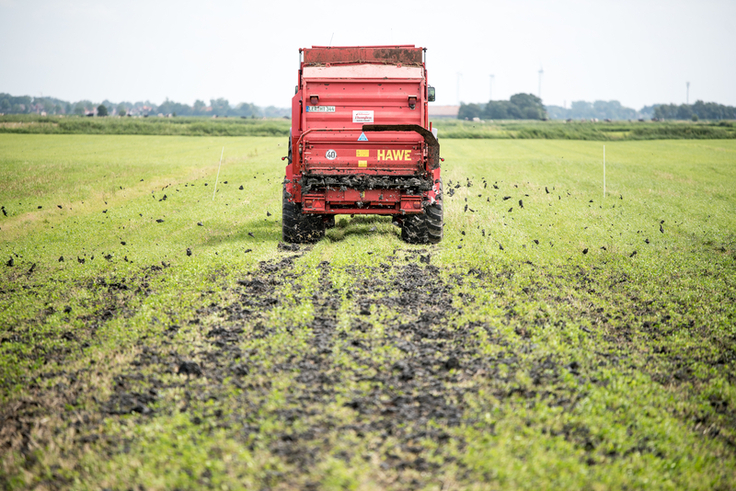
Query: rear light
(314, 100)
(411, 204)
(412, 101)
(313, 203)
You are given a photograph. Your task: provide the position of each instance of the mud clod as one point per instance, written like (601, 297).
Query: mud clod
(189, 368)
(288, 247)
(452, 363)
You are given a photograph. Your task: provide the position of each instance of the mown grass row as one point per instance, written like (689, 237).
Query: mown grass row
(454, 129)
(600, 131)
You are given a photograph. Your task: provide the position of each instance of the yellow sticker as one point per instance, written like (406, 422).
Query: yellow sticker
(362, 163)
(362, 153)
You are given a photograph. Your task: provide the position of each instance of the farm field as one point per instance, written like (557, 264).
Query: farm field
(152, 337)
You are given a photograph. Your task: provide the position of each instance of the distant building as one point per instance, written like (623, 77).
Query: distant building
(443, 111)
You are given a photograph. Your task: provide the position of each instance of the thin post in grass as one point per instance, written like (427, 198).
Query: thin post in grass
(218, 174)
(604, 171)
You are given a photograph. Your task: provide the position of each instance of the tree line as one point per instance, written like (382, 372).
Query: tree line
(601, 110)
(519, 106)
(699, 110)
(221, 107)
(528, 106)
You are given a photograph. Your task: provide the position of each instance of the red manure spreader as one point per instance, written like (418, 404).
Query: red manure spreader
(361, 143)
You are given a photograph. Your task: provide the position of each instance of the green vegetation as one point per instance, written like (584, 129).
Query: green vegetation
(519, 106)
(526, 106)
(448, 129)
(598, 110)
(555, 339)
(558, 130)
(699, 110)
(185, 126)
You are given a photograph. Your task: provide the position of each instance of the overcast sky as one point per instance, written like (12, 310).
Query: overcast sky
(638, 52)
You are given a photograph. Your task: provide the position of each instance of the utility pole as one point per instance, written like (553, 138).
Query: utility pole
(687, 93)
(541, 71)
(490, 91)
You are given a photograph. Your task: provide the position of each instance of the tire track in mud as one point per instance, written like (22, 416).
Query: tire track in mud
(403, 394)
(384, 374)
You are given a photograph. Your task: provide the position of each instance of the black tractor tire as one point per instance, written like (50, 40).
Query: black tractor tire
(330, 221)
(435, 222)
(424, 228)
(298, 228)
(413, 229)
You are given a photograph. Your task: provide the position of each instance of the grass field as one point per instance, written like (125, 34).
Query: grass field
(154, 338)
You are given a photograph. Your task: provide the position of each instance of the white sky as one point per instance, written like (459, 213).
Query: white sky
(638, 52)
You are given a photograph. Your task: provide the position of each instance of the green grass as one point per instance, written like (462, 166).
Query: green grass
(449, 129)
(576, 130)
(184, 126)
(593, 350)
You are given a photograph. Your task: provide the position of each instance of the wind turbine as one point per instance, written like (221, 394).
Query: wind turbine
(541, 71)
(490, 90)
